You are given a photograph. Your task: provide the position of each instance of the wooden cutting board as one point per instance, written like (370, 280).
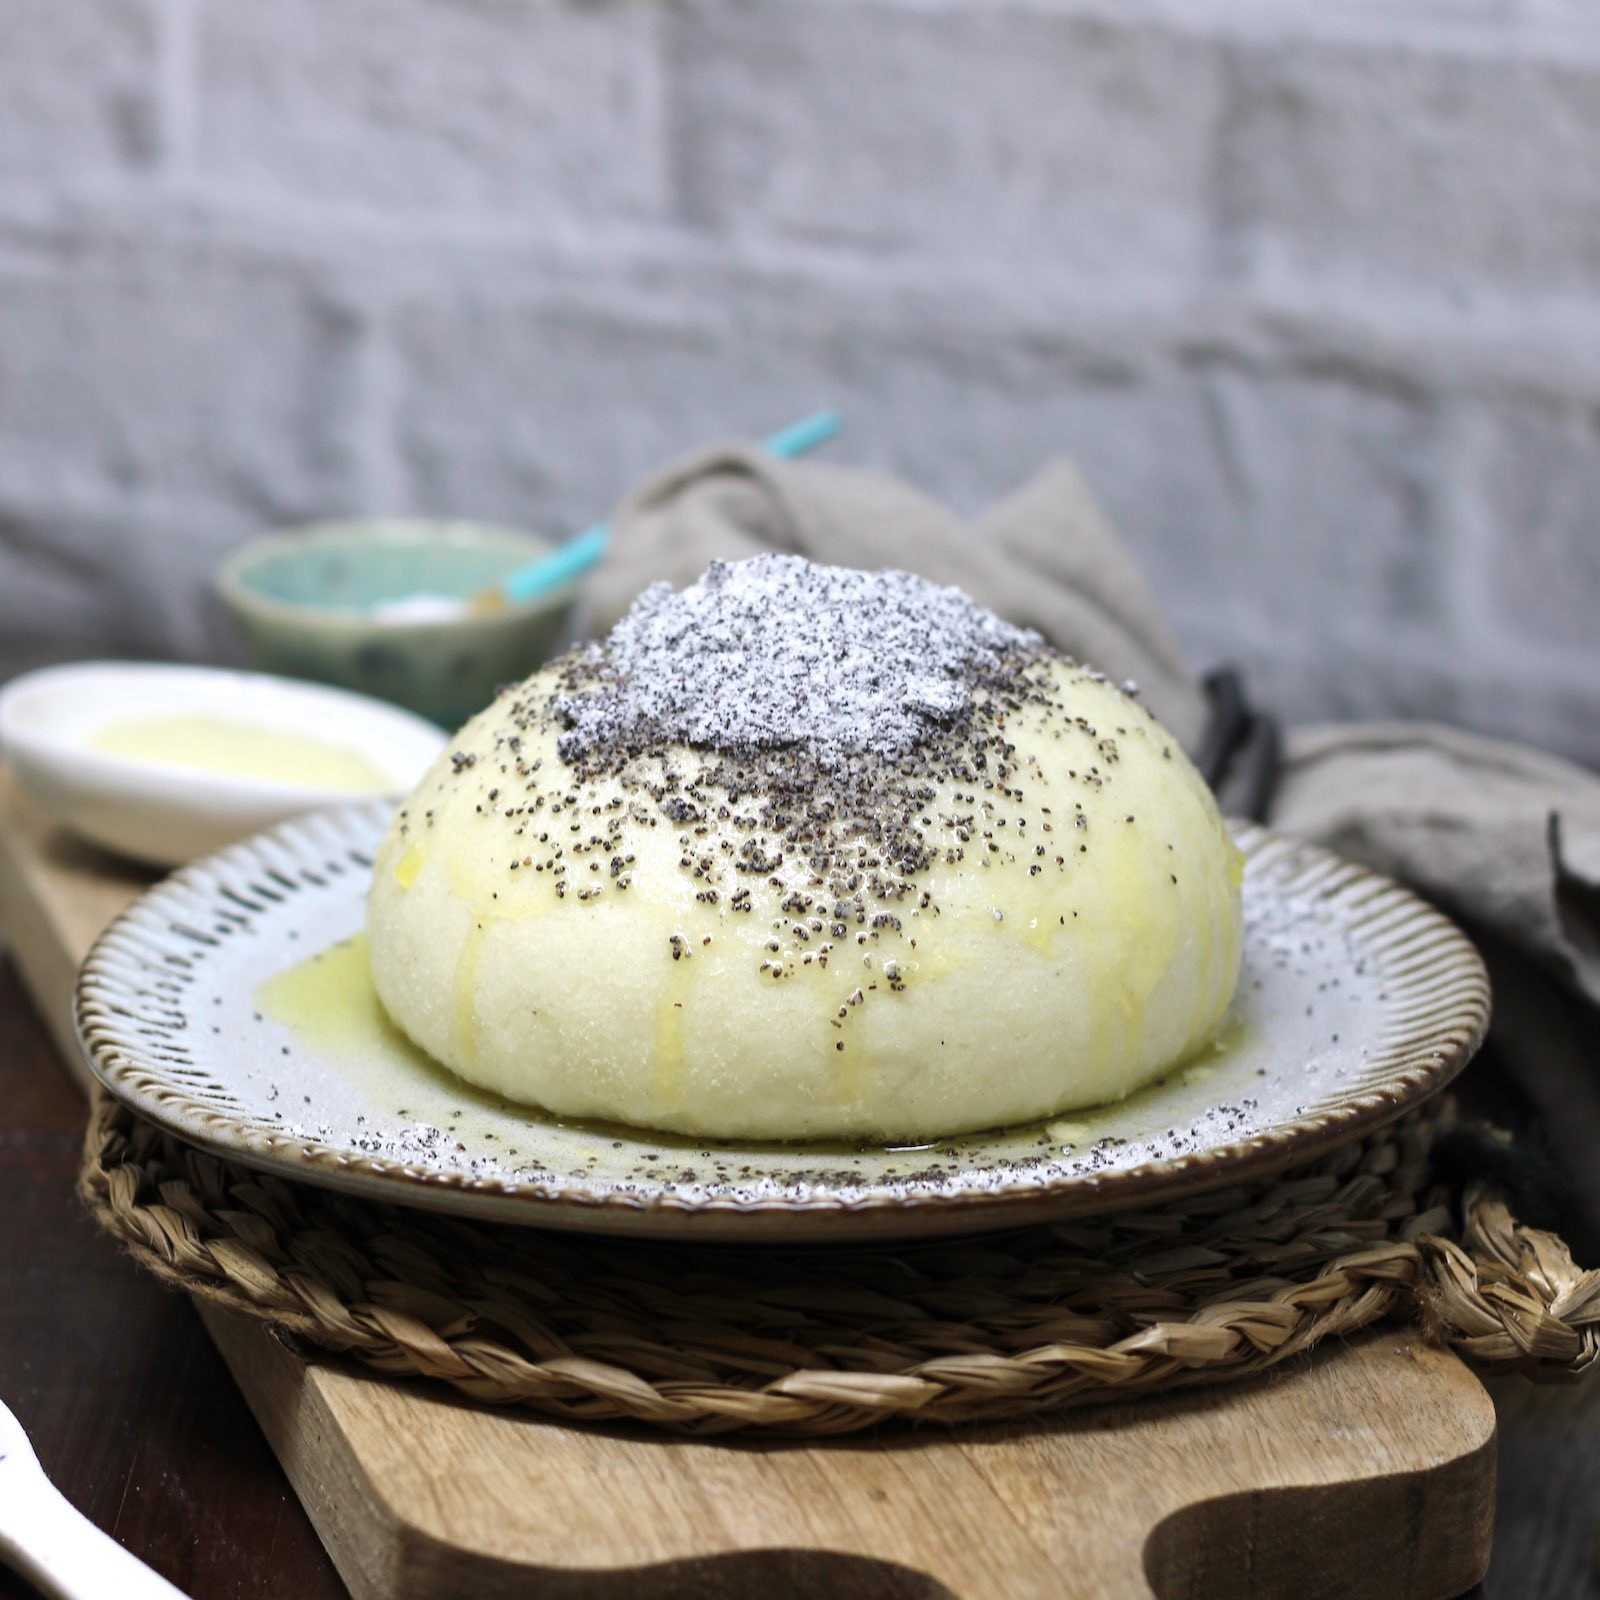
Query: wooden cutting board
(1367, 1469)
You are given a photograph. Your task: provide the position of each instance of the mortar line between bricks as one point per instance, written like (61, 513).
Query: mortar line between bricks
(1494, 336)
(1480, 662)
(381, 467)
(1488, 36)
(1465, 532)
(177, 88)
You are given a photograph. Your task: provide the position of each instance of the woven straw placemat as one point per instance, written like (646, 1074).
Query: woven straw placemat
(826, 1340)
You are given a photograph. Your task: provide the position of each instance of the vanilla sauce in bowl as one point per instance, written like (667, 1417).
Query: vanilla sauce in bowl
(168, 763)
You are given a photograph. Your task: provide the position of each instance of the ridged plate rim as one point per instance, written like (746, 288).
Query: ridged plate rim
(1439, 1004)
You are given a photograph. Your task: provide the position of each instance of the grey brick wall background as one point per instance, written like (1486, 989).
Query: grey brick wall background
(1310, 287)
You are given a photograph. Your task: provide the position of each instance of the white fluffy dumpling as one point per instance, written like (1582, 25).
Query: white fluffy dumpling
(1036, 911)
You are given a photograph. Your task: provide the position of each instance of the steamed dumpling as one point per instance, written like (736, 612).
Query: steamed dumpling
(802, 852)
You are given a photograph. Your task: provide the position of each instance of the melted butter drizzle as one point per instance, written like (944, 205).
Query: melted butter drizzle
(487, 908)
(332, 1012)
(666, 1086)
(330, 1006)
(409, 866)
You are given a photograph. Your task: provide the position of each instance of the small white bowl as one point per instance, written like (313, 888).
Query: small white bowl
(167, 814)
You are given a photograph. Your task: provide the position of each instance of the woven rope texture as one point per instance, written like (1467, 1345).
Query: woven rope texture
(827, 1340)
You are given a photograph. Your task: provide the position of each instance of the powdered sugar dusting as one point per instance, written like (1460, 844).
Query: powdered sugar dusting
(777, 653)
(418, 1144)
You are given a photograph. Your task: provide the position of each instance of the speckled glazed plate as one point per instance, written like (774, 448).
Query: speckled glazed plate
(230, 1005)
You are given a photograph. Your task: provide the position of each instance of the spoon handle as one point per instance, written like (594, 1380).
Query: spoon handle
(577, 555)
(61, 1552)
(801, 437)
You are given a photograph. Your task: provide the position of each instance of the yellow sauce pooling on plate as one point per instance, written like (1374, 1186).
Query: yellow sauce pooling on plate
(330, 1006)
(243, 750)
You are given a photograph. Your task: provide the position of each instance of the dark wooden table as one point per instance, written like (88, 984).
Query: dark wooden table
(129, 1407)
(135, 1418)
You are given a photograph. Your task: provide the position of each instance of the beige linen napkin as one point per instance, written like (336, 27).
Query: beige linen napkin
(1505, 838)
(1045, 558)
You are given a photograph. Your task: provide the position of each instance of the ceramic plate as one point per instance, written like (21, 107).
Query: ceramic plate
(166, 814)
(230, 1005)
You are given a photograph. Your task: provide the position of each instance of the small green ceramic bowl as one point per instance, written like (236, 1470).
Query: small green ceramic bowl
(303, 600)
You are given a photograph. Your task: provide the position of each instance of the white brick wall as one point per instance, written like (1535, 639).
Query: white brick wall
(1535, 482)
(79, 88)
(184, 371)
(1310, 287)
(1464, 172)
(969, 133)
(481, 107)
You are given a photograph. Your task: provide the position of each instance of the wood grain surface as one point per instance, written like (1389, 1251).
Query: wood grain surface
(1368, 1473)
(1366, 1470)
